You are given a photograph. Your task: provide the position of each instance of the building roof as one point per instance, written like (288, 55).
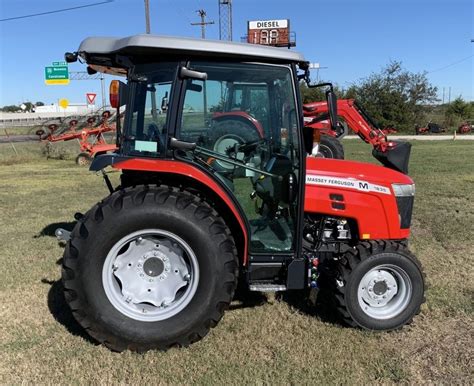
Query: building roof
(143, 45)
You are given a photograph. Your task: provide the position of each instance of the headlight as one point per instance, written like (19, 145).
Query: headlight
(404, 190)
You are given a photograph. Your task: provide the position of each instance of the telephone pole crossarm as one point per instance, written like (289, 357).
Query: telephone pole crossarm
(203, 23)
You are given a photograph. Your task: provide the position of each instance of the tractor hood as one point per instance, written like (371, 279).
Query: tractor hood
(353, 174)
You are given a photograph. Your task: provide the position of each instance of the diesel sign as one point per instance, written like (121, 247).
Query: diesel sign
(269, 33)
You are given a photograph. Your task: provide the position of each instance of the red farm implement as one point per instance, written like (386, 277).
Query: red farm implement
(91, 138)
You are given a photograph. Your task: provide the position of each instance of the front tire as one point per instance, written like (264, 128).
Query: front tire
(379, 286)
(149, 268)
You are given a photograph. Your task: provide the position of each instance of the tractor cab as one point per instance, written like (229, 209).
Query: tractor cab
(232, 114)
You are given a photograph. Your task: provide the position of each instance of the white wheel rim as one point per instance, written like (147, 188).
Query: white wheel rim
(384, 292)
(327, 153)
(150, 275)
(223, 144)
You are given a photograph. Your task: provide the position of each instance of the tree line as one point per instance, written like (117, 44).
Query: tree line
(398, 98)
(29, 107)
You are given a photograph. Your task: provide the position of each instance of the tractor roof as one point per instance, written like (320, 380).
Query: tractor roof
(105, 50)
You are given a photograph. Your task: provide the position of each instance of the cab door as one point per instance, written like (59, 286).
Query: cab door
(257, 150)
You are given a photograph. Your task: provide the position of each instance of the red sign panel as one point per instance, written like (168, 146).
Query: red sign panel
(90, 98)
(270, 33)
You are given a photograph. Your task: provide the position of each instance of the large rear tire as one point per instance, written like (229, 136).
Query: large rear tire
(149, 268)
(379, 286)
(330, 147)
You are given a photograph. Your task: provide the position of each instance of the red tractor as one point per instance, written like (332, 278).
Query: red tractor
(91, 139)
(465, 127)
(327, 144)
(203, 204)
(430, 128)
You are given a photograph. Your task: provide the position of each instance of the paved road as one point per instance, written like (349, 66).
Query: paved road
(424, 137)
(34, 138)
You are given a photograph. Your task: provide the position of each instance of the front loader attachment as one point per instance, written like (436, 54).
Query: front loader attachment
(396, 156)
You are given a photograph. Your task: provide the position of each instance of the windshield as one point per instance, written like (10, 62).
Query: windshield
(147, 126)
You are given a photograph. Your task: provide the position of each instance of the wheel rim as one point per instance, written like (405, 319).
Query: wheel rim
(384, 292)
(150, 275)
(224, 143)
(83, 160)
(325, 152)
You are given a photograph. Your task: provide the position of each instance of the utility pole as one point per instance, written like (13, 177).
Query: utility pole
(147, 30)
(147, 16)
(203, 24)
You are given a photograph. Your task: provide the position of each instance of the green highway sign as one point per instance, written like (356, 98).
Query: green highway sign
(56, 75)
(56, 64)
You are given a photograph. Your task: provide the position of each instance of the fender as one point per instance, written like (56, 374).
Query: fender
(366, 196)
(176, 168)
(241, 115)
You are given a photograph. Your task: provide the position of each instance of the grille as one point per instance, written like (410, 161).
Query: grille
(405, 209)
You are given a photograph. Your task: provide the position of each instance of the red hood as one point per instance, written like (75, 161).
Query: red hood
(358, 170)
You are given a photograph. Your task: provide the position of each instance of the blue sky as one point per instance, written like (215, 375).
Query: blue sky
(351, 37)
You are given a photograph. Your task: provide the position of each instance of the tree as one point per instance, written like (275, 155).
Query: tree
(315, 94)
(29, 106)
(458, 110)
(10, 109)
(395, 97)
(39, 104)
(459, 107)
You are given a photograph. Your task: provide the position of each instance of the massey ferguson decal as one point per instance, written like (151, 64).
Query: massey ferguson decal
(313, 179)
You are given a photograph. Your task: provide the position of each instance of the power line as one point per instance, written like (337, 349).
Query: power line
(56, 11)
(452, 64)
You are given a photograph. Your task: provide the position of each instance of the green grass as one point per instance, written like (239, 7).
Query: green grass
(269, 342)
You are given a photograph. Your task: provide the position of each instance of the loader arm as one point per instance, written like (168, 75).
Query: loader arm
(357, 119)
(393, 154)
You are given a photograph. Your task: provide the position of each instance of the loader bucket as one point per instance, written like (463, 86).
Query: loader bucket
(396, 157)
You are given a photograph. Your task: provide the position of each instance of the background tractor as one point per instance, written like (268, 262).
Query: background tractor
(207, 200)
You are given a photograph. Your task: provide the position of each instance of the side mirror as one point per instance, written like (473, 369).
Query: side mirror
(118, 94)
(332, 108)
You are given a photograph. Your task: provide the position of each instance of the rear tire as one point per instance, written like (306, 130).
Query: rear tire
(330, 147)
(105, 268)
(379, 286)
